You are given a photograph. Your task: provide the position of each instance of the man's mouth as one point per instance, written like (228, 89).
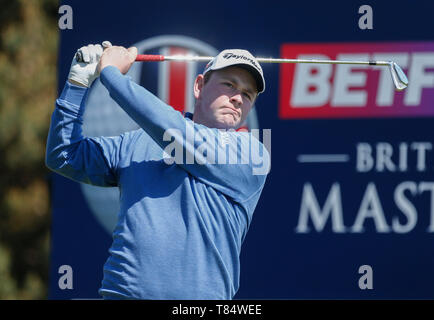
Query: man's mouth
(233, 111)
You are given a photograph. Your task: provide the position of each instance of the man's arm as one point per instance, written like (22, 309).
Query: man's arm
(157, 119)
(88, 160)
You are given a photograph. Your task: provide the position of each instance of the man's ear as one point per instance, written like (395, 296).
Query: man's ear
(198, 85)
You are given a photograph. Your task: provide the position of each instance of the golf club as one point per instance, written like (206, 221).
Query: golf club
(398, 76)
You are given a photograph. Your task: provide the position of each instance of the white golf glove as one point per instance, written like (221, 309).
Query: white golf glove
(85, 72)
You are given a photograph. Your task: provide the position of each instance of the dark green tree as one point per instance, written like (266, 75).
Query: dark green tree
(28, 59)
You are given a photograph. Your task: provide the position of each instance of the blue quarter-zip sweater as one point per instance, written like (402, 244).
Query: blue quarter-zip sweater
(181, 222)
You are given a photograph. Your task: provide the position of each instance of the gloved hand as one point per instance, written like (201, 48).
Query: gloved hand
(85, 72)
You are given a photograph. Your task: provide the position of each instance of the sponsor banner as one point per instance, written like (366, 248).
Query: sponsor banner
(347, 211)
(356, 91)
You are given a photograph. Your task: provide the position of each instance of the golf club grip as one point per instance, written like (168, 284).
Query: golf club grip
(149, 57)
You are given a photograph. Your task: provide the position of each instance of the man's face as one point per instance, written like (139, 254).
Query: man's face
(225, 100)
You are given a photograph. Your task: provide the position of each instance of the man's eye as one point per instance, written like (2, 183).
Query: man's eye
(248, 96)
(228, 84)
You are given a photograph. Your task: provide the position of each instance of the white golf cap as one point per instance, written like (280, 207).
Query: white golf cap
(240, 58)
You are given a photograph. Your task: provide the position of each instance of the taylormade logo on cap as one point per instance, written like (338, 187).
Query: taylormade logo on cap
(242, 58)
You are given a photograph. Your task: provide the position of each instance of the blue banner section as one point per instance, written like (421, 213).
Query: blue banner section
(347, 211)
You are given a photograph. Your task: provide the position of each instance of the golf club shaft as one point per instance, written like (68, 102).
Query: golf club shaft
(152, 57)
(398, 76)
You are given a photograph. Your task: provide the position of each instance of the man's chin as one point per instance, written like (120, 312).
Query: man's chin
(227, 125)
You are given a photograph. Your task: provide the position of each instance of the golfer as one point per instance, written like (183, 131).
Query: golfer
(183, 213)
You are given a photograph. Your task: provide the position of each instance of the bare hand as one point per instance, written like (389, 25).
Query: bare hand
(118, 57)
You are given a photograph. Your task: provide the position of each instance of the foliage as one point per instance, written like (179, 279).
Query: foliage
(28, 59)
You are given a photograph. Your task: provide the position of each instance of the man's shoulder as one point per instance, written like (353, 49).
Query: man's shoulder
(139, 143)
(136, 135)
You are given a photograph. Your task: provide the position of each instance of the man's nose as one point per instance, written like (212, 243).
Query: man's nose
(237, 99)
